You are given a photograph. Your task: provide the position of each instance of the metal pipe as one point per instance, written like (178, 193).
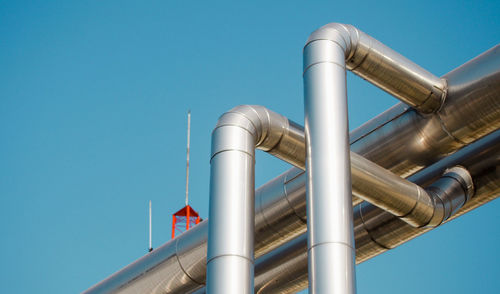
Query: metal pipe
(328, 187)
(284, 270)
(230, 252)
(404, 141)
(417, 206)
(384, 67)
(399, 140)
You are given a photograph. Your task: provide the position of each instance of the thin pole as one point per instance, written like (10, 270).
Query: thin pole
(150, 228)
(187, 157)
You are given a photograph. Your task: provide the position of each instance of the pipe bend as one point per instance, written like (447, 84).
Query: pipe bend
(266, 126)
(271, 132)
(345, 35)
(449, 193)
(380, 65)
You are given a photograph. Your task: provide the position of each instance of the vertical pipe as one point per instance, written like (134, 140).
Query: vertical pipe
(328, 189)
(230, 252)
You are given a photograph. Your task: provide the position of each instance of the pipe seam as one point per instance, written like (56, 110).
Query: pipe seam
(333, 242)
(368, 231)
(225, 255)
(233, 150)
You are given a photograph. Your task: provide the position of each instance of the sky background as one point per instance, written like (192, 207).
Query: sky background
(93, 103)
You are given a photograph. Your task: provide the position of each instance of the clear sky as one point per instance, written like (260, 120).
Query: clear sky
(93, 102)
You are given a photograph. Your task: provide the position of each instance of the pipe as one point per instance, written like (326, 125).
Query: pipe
(284, 270)
(328, 187)
(405, 142)
(230, 252)
(417, 206)
(399, 140)
(382, 66)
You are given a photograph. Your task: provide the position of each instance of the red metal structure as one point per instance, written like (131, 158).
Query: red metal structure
(183, 219)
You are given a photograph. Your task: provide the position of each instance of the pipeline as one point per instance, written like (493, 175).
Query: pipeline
(284, 270)
(470, 111)
(230, 252)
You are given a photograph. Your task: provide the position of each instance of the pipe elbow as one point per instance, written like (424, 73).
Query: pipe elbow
(265, 126)
(376, 63)
(254, 126)
(450, 193)
(346, 36)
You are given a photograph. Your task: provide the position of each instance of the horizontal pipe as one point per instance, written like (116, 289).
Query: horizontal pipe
(399, 140)
(417, 206)
(284, 270)
(381, 66)
(404, 142)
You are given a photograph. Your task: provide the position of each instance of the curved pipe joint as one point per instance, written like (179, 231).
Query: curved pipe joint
(230, 253)
(380, 65)
(417, 206)
(450, 193)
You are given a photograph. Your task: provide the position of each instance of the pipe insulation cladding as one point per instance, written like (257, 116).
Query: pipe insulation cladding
(402, 140)
(230, 252)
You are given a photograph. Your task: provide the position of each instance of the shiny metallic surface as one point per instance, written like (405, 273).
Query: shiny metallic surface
(406, 200)
(450, 193)
(230, 243)
(284, 270)
(469, 118)
(230, 251)
(328, 186)
(390, 192)
(273, 132)
(408, 142)
(399, 140)
(385, 68)
(147, 275)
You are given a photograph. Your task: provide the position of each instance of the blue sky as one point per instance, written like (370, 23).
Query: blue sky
(93, 102)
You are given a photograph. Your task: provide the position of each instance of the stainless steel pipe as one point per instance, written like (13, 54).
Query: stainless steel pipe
(383, 67)
(284, 270)
(417, 206)
(404, 141)
(230, 252)
(399, 140)
(328, 187)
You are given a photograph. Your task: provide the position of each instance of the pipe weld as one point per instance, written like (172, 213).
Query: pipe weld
(326, 243)
(443, 127)
(369, 232)
(285, 182)
(333, 41)
(246, 117)
(239, 150)
(229, 255)
(353, 69)
(320, 62)
(182, 268)
(237, 126)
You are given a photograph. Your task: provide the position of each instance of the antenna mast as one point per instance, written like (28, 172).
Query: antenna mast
(186, 217)
(187, 157)
(150, 229)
